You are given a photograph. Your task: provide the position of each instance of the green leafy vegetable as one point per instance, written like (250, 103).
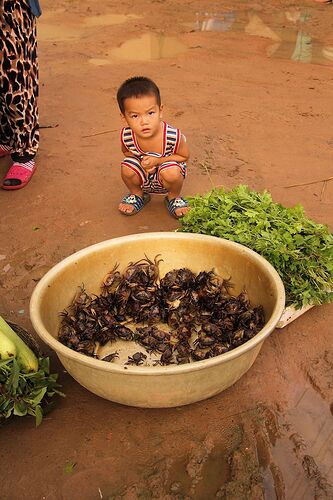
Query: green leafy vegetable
(300, 249)
(26, 393)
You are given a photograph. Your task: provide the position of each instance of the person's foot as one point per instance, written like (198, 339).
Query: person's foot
(4, 150)
(131, 204)
(18, 175)
(177, 207)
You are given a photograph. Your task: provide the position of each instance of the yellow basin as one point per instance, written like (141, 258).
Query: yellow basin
(157, 386)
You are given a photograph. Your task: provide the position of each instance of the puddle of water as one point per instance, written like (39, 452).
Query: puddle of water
(109, 19)
(99, 62)
(287, 29)
(214, 474)
(58, 32)
(214, 22)
(312, 421)
(148, 47)
(269, 484)
(49, 31)
(200, 476)
(178, 481)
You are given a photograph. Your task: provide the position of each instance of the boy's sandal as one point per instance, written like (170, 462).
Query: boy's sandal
(135, 201)
(175, 203)
(21, 173)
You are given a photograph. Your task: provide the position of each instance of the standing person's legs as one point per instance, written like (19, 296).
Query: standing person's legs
(18, 91)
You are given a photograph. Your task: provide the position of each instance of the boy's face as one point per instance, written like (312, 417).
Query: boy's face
(143, 115)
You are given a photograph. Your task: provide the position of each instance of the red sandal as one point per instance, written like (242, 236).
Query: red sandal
(21, 172)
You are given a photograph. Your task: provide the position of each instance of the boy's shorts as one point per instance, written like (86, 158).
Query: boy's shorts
(151, 183)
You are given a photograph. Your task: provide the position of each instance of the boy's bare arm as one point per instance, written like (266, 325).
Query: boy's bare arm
(182, 155)
(125, 151)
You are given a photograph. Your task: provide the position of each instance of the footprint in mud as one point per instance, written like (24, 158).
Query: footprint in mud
(255, 459)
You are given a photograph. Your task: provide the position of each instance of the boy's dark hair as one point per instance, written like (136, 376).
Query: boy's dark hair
(137, 86)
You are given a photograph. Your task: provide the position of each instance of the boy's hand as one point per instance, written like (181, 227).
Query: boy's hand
(150, 163)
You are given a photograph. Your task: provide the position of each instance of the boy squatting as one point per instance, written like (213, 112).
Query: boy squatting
(155, 152)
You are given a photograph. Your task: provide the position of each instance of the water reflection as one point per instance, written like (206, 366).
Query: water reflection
(215, 22)
(286, 29)
(148, 47)
(109, 19)
(51, 27)
(312, 420)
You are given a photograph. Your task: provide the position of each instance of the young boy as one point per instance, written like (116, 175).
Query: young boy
(155, 152)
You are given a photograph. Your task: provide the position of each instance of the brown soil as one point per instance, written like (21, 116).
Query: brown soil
(252, 116)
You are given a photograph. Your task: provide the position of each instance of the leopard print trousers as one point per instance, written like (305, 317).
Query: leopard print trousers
(18, 79)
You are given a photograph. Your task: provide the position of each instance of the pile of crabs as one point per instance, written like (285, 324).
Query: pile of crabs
(203, 319)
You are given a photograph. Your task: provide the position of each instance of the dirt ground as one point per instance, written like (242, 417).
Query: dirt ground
(254, 97)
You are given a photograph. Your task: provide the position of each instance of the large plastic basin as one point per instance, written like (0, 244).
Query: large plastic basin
(157, 386)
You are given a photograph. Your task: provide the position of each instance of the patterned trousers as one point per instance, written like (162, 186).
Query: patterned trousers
(18, 79)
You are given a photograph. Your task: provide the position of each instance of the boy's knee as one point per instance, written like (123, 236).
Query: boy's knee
(171, 174)
(128, 173)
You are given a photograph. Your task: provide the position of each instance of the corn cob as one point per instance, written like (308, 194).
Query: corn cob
(24, 355)
(7, 347)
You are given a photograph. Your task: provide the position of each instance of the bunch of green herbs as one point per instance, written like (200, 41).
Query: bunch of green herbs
(300, 249)
(26, 393)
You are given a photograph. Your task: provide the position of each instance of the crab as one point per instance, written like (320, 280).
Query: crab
(183, 352)
(198, 309)
(86, 347)
(136, 359)
(199, 354)
(218, 349)
(111, 281)
(123, 332)
(204, 341)
(144, 272)
(166, 358)
(208, 284)
(110, 357)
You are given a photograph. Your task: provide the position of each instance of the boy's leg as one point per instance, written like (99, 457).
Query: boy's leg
(172, 180)
(133, 180)
(19, 84)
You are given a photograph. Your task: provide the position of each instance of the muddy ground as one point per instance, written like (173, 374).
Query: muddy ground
(254, 97)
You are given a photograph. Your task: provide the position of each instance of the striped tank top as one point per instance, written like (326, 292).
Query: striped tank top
(171, 140)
